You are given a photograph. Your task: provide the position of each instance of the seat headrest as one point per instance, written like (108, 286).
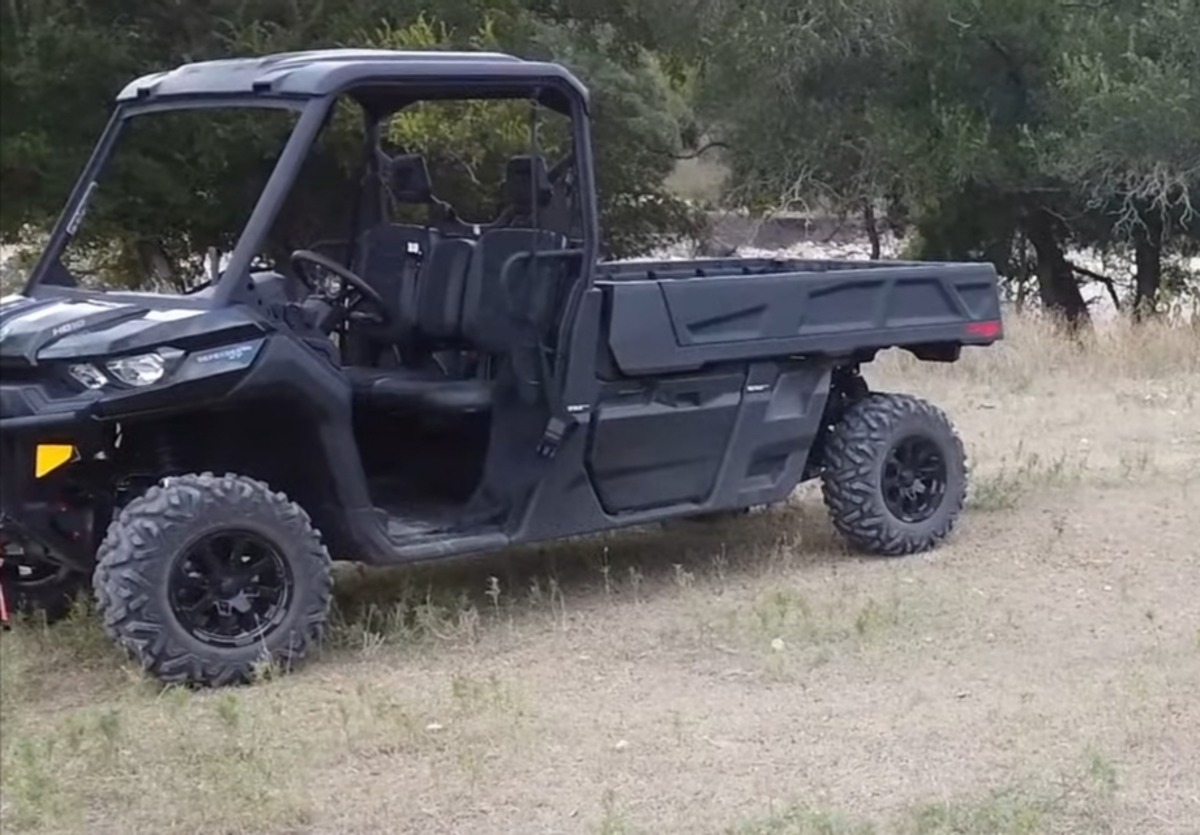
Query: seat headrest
(526, 180)
(408, 179)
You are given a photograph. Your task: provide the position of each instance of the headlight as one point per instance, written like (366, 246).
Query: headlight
(88, 375)
(139, 370)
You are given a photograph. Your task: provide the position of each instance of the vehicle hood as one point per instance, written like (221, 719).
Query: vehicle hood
(33, 330)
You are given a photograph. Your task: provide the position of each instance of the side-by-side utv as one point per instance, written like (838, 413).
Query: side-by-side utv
(428, 385)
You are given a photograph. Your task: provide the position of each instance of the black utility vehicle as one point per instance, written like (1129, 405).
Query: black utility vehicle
(432, 387)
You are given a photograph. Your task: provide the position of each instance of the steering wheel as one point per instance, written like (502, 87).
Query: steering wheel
(352, 290)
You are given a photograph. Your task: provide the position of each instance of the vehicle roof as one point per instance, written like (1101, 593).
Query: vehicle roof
(318, 73)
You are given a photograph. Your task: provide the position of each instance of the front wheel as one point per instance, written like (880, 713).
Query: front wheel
(203, 579)
(40, 589)
(895, 475)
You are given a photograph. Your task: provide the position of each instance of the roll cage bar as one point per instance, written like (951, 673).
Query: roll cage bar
(381, 82)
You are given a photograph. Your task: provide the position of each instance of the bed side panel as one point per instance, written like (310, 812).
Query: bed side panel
(671, 325)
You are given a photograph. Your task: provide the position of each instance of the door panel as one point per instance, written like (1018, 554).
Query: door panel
(661, 443)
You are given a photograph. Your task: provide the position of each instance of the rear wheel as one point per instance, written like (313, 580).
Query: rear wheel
(204, 579)
(895, 475)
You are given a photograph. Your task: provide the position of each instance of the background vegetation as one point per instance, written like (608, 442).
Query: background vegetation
(1019, 131)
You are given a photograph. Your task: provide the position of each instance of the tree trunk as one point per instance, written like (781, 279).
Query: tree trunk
(1147, 250)
(872, 228)
(156, 268)
(1057, 286)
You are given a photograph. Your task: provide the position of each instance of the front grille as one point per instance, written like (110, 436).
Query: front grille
(16, 370)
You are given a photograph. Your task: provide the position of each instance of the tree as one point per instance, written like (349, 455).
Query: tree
(1130, 138)
(61, 61)
(636, 125)
(1000, 128)
(800, 93)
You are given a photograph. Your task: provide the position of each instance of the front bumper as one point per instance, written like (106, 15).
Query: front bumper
(40, 511)
(31, 405)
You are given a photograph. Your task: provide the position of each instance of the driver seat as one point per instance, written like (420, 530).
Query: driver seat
(391, 255)
(437, 313)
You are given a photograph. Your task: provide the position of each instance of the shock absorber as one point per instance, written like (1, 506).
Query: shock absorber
(164, 451)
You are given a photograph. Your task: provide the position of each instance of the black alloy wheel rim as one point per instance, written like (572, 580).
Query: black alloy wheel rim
(230, 589)
(914, 479)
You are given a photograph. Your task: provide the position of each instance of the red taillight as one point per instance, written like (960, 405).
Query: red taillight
(984, 330)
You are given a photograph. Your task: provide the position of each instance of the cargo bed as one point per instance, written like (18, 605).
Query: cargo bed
(675, 316)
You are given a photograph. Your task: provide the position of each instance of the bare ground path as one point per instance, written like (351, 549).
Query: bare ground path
(1039, 674)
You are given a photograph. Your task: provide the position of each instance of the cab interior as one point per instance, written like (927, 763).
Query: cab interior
(448, 390)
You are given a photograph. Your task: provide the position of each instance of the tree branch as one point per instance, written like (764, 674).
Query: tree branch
(707, 146)
(1103, 279)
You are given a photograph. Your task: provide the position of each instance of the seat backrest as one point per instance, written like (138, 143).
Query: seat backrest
(527, 183)
(407, 179)
(391, 256)
(487, 320)
(440, 289)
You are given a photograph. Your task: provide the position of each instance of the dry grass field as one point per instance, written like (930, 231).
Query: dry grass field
(1039, 674)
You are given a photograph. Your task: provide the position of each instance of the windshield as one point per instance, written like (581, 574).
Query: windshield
(169, 202)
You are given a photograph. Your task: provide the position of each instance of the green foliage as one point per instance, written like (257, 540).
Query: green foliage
(467, 143)
(637, 121)
(1012, 130)
(172, 190)
(637, 133)
(54, 58)
(1131, 92)
(61, 62)
(795, 91)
